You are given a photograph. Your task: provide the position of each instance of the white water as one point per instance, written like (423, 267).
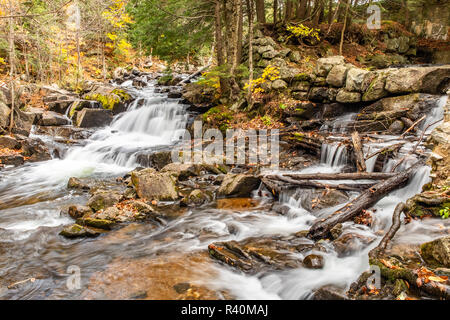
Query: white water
(152, 120)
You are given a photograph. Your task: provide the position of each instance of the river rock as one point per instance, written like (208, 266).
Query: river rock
(182, 170)
(50, 118)
(313, 261)
(324, 65)
(345, 96)
(77, 231)
(12, 160)
(349, 243)
(103, 199)
(35, 149)
(238, 185)
(156, 160)
(151, 185)
(9, 143)
(75, 183)
(329, 292)
(396, 128)
(437, 252)
(78, 211)
(96, 223)
(197, 197)
(92, 118)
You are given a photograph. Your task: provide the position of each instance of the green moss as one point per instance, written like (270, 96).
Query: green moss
(108, 102)
(302, 77)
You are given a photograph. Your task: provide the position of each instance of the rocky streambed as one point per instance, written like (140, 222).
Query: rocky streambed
(133, 225)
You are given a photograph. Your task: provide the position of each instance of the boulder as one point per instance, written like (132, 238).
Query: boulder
(313, 261)
(9, 143)
(396, 128)
(437, 252)
(96, 223)
(77, 231)
(151, 185)
(197, 197)
(300, 86)
(35, 149)
(355, 78)
(155, 160)
(238, 185)
(50, 118)
(92, 118)
(295, 56)
(324, 65)
(345, 96)
(78, 211)
(279, 85)
(182, 170)
(329, 293)
(12, 160)
(434, 80)
(4, 115)
(375, 87)
(75, 183)
(337, 76)
(103, 199)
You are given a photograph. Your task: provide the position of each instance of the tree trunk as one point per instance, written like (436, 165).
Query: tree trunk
(240, 33)
(330, 11)
(275, 11)
(288, 10)
(407, 15)
(344, 27)
(260, 11)
(365, 200)
(318, 13)
(250, 52)
(340, 176)
(11, 64)
(301, 9)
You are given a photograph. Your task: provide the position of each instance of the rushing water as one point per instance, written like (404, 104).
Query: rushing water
(31, 198)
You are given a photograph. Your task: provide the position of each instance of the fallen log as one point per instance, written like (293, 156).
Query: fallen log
(337, 176)
(357, 149)
(387, 149)
(368, 198)
(194, 74)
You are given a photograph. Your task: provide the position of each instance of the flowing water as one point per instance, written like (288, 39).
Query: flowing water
(152, 258)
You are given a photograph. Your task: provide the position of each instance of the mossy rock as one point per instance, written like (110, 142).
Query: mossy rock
(77, 231)
(96, 223)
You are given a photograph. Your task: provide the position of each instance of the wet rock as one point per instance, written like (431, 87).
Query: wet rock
(77, 231)
(197, 197)
(396, 128)
(78, 211)
(93, 118)
(329, 292)
(337, 76)
(50, 118)
(96, 223)
(349, 243)
(313, 261)
(238, 185)
(35, 149)
(324, 65)
(427, 203)
(9, 143)
(155, 160)
(75, 183)
(128, 211)
(345, 96)
(375, 88)
(315, 200)
(281, 209)
(12, 160)
(437, 252)
(103, 199)
(60, 106)
(152, 185)
(182, 170)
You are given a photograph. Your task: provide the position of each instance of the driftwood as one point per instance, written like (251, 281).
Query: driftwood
(391, 148)
(338, 176)
(194, 74)
(365, 200)
(309, 183)
(413, 126)
(396, 223)
(357, 149)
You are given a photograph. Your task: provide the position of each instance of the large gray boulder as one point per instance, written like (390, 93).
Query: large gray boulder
(337, 75)
(92, 118)
(433, 80)
(238, 185)
(373, 87)
(437, 252)
(4, 114)
(345, 96)
(50, 118)
(152, 185)
(355, 78)
(324, 65)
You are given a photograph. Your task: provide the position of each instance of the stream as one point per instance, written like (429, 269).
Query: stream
(142, 260)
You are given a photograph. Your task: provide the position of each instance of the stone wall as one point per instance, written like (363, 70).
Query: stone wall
(432, 20)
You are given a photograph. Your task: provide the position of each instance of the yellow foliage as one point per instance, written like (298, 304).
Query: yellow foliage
(270, 73)
(302, 31)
